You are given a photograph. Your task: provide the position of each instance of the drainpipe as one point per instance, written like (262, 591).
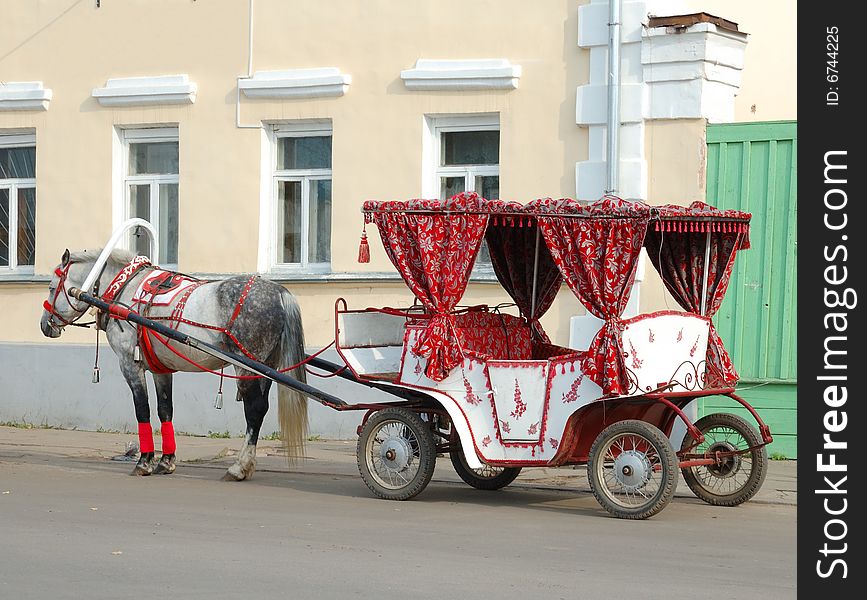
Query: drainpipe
(249, 74)
(613, 121)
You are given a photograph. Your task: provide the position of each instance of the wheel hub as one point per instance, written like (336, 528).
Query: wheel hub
(632, 470)
(725, 466)
(395, 453)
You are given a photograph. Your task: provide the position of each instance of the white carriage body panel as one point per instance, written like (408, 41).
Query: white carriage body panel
(666, 347)
(516, 411)
(556, 387)
(365, 329)
(518, 389)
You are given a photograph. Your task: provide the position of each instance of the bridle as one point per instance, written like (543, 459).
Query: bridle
(63, 274)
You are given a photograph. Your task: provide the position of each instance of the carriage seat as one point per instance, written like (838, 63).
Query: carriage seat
(494, 336)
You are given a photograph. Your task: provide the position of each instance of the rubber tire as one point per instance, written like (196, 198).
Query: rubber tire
(668, 460)
(472, 478)
(759, 461)
(427, 453)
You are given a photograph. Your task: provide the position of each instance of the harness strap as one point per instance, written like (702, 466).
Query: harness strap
(147, 350)
(247, 287)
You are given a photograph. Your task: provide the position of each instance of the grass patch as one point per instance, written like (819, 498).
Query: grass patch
(26, 425)
(778, 456)
(314, 438)
(219, 434)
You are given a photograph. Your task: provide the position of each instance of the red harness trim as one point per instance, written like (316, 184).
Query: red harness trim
(147, 350)
(124, 276)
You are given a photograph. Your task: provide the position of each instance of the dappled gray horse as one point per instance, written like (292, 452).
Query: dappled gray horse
(244, 314)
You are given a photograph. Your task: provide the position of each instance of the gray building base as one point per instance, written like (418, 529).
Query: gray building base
(51, 385)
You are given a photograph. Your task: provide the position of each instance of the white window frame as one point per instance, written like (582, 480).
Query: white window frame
(126, 136)
(17, 140)
(276, 132)
(435, 126)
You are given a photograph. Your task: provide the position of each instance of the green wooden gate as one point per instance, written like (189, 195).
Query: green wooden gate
(752, 167)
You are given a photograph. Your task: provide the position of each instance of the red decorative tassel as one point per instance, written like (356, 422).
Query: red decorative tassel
(364, 249)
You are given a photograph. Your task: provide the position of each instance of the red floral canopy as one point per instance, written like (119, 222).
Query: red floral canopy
(594, 248)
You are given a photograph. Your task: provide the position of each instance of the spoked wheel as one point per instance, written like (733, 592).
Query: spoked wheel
(488, 477)
(738, 472)
(632, 470)
(396, 454)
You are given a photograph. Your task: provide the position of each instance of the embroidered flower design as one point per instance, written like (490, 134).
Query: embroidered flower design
(520, 405)
(533, 428)
(470, 397)
(572, 394)
(504, 425)
(554, 443)
(680, 335)
(650, 336)
(636, 362)
(486, 440)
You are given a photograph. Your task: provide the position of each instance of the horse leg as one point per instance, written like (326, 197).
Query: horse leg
(163, 385)
(135, 379)
(254, 393)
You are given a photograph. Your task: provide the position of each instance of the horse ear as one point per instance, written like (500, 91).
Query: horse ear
(65, 259)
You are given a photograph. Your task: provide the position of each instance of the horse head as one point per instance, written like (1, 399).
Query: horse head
(60, 309)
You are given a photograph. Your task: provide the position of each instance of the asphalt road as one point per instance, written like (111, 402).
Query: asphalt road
(81, 527)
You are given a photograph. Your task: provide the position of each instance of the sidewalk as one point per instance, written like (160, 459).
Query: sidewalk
(335, 458)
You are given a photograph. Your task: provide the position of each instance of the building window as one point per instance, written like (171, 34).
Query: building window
(17, 203)
(467, 154)
(302, 197)
(151, 189)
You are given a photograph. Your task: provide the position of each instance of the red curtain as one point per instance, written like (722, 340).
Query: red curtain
(513, 250)
(679, 259)
(434, 251)
(598, 258)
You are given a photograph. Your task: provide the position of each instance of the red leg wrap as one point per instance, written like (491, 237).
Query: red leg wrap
(145, 438)
(167, 430)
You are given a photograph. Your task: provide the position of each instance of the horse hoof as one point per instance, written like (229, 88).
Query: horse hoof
(166, 465)
(145, 465)
(234, 473)
(142, 469)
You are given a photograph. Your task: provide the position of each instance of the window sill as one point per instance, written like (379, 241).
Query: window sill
(23, 277)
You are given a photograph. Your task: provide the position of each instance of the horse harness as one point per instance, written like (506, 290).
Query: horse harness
(166, 288)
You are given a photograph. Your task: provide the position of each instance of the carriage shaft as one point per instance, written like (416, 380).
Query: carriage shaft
(239, 360)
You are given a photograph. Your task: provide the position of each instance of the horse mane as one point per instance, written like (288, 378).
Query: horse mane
(118, 257)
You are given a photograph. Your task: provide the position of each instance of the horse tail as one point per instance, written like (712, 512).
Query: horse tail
(292, 404)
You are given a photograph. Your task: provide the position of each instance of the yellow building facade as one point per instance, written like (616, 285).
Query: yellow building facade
(250, 132)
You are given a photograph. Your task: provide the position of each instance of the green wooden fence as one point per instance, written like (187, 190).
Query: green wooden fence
(752, 167)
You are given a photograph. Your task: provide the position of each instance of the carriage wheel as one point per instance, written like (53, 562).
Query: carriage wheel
(632, 469)
(734, 478)
(396, 454)
(488, 477)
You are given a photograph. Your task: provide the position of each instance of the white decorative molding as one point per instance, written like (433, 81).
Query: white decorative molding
(296, 83)
(692, 72)
(478, 74)
(138, 91)
(685, 71)
(24, 95)
(592, 104)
